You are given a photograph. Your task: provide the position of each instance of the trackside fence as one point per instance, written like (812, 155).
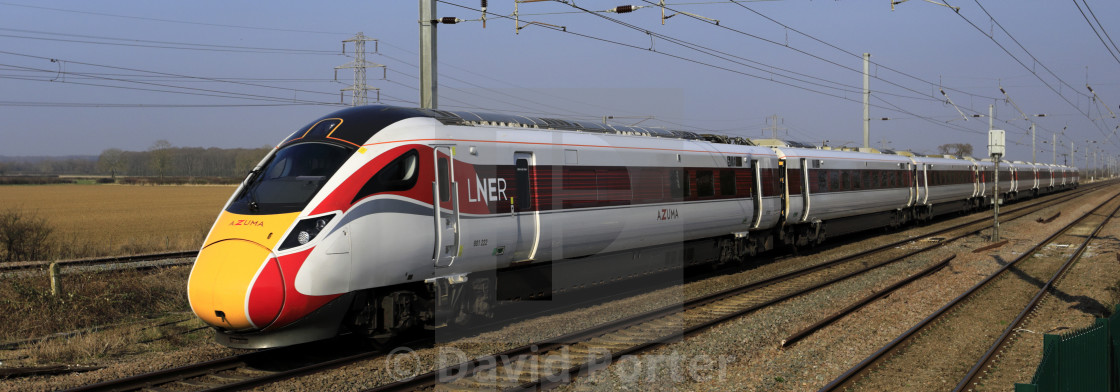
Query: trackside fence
(1082, 360)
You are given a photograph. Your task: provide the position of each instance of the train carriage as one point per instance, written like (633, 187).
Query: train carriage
(851, 191)
(946, 185)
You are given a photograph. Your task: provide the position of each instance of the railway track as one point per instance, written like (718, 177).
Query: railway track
(42, 265)
(612, 340)
(555, 361)
(244, 371)
(1020, 279)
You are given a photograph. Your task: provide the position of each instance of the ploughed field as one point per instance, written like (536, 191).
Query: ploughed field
(109, 219)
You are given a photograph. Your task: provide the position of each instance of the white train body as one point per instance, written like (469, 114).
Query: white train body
(376, 219)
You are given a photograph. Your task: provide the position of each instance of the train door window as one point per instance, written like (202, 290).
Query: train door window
(524, 200)
(704, 185)
(727, 182)
(795, 181)
(443, 172)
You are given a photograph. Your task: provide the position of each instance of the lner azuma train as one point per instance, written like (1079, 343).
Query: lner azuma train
(380, 219)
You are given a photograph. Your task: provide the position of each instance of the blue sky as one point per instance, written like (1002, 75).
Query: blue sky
(197, 73)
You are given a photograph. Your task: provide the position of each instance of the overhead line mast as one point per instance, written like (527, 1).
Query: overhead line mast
(428, 86)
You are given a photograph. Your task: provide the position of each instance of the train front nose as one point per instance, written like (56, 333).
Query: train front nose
(237, 285)
(236, 282)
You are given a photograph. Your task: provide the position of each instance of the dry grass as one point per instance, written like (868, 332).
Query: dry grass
(28, 310)
(100, 220)
(129, 339)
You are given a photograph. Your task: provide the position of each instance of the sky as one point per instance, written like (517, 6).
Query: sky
(79, 77)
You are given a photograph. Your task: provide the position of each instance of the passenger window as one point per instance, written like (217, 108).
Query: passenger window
(704, 185)
(398, 175)
(677, 187)
(727, 183)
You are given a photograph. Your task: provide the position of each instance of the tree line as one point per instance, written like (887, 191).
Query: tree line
(160, 160)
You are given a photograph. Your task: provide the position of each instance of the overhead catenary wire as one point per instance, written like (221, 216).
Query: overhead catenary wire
(1033, 72)
(1098, 33)
(702, 49)
(679, 57)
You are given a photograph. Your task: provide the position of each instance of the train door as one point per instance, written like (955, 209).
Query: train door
(783, 186)
(922, 183)
(528, 219)
(805, 189)
(445, 193)
(756, 193)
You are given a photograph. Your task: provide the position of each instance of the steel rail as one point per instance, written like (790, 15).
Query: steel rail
(974, 373)
(849, 376)
(98, 261)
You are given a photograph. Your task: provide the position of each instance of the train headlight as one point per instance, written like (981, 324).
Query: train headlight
(305, 231)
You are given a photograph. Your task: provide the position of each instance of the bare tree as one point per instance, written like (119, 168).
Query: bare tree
(161, 156)
(959, 150)
(112, 161)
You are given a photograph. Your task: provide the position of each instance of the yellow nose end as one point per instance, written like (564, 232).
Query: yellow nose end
(220, 280)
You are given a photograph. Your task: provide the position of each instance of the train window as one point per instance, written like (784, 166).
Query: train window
(822, 181)
(687, 183)
(794, 184)
(290, 179)
(443, 173)
(398, 175)
(727, 182)
(835, 183)
(677, 186)
(524, 201)
(705, 187)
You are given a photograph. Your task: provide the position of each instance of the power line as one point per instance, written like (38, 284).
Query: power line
(161, 44)
(724, 55)
(154, 73)
(1101, 25)
(138, 105)
(481, 87)
(856, 55)
(170, 20)
(680, 57)
(1091, 26)
(922, 95)
(192, 91)
(1024, 65)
